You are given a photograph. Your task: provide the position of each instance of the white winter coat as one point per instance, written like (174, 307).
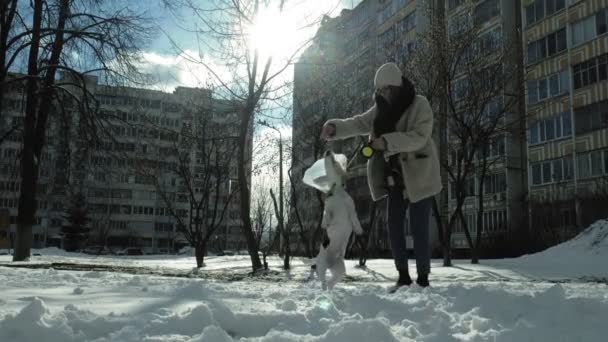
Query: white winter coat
(412, 141)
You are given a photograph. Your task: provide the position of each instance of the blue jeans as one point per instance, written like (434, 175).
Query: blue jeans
(419, 226)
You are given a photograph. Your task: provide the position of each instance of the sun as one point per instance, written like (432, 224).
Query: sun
(274, 34)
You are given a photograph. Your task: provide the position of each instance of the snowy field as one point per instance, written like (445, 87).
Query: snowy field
(556, 295)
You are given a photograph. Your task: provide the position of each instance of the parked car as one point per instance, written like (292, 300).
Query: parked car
(131, 251)
(96, 250)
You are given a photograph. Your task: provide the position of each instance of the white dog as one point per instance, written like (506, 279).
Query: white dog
(339, 221)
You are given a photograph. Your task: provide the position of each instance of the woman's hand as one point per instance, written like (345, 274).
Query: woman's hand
(379, 144)
(328, 131)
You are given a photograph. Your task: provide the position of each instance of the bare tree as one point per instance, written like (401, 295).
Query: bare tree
(224, 31)
(8, 52)
(262, 220)
(204, 152)
(106, 40)
(473, 82)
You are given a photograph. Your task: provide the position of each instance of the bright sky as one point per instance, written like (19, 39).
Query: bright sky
(273, 33)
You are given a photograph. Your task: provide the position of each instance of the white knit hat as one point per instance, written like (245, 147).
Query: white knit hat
(388, 74)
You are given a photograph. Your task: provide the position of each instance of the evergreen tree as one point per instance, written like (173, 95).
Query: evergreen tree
(76, 229)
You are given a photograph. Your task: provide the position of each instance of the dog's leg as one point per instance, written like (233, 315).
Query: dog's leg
(321, 267)
(338, 270)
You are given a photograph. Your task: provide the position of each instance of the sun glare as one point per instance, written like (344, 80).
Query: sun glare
(274, 34)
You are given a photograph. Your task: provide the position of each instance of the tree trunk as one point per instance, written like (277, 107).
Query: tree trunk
(447, 256)
(283, 235)
(467, 234)
(244, 194)
(302, 232)
(29, 170)
(199, 252)
(264, 255)
(286, 258)
(444, 236)
(475, 251)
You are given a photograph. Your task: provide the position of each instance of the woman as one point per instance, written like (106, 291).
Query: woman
(405, 166)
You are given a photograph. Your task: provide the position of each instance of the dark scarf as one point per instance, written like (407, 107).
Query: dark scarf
(388, 114)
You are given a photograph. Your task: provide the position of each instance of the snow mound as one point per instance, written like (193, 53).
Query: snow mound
(113, 308)
(583, 256)
(454, 313)
(593, 240)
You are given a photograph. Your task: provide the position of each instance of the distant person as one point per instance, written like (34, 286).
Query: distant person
(404, 167)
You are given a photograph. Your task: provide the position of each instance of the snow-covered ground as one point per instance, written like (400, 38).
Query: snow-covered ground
(499, 300)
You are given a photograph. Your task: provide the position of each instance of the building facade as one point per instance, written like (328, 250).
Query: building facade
(566, 45)
(334, 79)
(134, 192)
(502, 181)
(549, 156)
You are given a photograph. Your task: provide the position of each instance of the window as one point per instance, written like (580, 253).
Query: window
(470, 187)
(547, 46)
(534, 138)
(454, 3)
(564, 82)
(602, 67)
(591, 71)
(550, 129)
(407, 24)
(532, 92)
(592, 163)
(536, 174)
(583, 30)
(601, 19)
(549, 171)
(486, 10)
(386, 13)
(495, 183)
(538, 9)
(596, 163)
(460, 88)
(489, 42)
(568, 168)
(566, 124)
(562, 42)
(583, 167)
(534, 12)
(555, 127)
(553, 6)
(591, 117)
(386, 39)
(554, 84)
(543, 90)
(557, 170)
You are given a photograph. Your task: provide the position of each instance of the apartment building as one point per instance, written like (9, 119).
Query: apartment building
(566, 45)
(131, 190)
(334, 78)
(496, 24)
